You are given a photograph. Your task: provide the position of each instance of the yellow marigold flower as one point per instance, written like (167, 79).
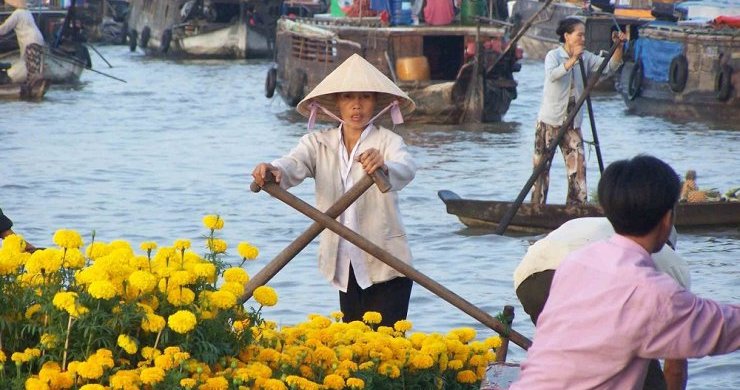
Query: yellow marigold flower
(102, 357)
(223, 299)
(204, 270)
(215, 383)
(366, 365)
(32, 352)
(187, 383)
(102, 289)
(19, 358)
(334, 382)
(93, 386)
(247, 251)
(372, 318)
(216, 245)
(97, 250)
(14, 243)
(68, 239)
(35, 384)
(144, 281)
(455, 364)
(90, 370)
(213, 222)
(389, 369)
(33, 309)
(265, 296)
(182, 244)
(127, 343)
(3, 358)
(403, 325)
(150, 353)
(463, 334)
(422, 361)
(73, 259)
(236, 275)
(125, 380)
(49, 341)
(467, 376)
(337, 315)
(180, 357)
(152, 323)
(44, 262)
(63, 299)
(493, 342)
(180, 296)
(181, 278)
(355, 383)
(10, 261)
(182, 322)
(233, 287)
(274, 384)
(148, 246)
(151, 375)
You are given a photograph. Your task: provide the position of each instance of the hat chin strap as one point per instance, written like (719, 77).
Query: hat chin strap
(394, 107)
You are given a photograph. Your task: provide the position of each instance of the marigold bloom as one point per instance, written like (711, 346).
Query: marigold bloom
(182, 322)
(144, 281)
(422, 361)
(96, 250)
(68, 239)
(20, 357)
(180, 296)
(372, 318)
(152, 323)
(355, 383)
(274, 384)
(3, 358)
(467, 376)
(247, 251)
(493, 342)
(223, 299)
(73, 258)
(90, 370)
(151, 375)
(102, 289)
(182, 244)
(236, 275)
(265, 296)
(93, 386)
(403, 325)
(127, 344)
(48, 340)
(213, 222)
(216, 245)
(148, 246)
(233, 287)
(187, 383)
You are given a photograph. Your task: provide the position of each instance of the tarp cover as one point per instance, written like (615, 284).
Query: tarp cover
(656, 57)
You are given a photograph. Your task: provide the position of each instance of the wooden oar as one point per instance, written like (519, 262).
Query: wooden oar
(330, 223)
(592, 119)
(286, 255)
(504, 223)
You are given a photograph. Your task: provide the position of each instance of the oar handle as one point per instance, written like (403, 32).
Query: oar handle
(379, 177)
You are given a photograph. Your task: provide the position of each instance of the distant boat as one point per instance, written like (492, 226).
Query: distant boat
(65, 54)
(433, 64)
(685, 71)
(200, 29)
(539, 218)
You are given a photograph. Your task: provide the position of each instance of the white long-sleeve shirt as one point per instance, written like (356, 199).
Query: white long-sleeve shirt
(21, 21)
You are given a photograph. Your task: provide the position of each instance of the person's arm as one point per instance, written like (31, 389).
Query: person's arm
(401, 167)
(298, 164)
(676, 374)
(9, 24)
(554, 69)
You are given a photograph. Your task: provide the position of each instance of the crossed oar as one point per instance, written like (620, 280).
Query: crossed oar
(327, 221)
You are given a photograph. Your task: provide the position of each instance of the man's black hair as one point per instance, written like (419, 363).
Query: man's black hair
(635, 194)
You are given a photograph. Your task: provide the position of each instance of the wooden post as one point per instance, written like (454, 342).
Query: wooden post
(508, 318)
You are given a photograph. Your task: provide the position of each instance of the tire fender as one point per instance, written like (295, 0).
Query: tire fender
(723, 83)
(678, 73)
(146, 33)
(270, 82)
(634, 85)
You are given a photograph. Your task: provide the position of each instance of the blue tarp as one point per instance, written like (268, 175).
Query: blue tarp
(656, 57)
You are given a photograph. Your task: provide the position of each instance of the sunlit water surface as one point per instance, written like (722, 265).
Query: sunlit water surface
(147, 159)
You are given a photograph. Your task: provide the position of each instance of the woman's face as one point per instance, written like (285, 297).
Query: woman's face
(356, 108)
(577, 37)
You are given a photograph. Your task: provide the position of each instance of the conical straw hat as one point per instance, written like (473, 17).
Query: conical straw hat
(16, 3)
(355, 75)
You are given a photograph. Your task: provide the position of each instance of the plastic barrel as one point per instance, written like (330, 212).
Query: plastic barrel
(412, 68)
(400, 12)
(470, 9)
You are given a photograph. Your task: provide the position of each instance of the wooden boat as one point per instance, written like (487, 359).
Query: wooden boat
(65, 55)
(22, 91)
(538, 218)
(198, 29)
(694, 76)
(104, 21)
(442, 59)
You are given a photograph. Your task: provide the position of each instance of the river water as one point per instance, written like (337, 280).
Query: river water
(147, 159)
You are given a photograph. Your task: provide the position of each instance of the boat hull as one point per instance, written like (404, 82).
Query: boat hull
(538, 218)
(36, 91)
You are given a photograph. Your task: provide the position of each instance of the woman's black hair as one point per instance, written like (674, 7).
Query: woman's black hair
(567, 25)
(635, 194)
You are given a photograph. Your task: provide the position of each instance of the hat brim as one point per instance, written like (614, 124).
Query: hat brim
(355, 75)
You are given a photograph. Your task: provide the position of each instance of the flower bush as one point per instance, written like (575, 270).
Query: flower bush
(104, 317)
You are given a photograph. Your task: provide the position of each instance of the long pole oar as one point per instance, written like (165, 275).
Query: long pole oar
(506, 220)
(281, 260)
(276, 191)
(99, 55)
(75, 62)
(592, 119)
(520, 33)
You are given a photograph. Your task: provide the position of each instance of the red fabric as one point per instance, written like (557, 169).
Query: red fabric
(732, 21)
(360, 5)
(439, 12)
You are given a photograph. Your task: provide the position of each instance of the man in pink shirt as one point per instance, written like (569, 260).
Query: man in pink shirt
(610, 310)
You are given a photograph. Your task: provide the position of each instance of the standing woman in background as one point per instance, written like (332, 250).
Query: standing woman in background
(563, 86)
(30, 41)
